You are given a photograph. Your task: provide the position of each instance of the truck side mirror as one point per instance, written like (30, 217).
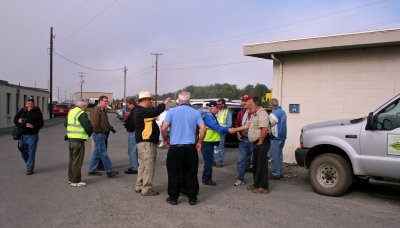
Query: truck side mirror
(370, 122)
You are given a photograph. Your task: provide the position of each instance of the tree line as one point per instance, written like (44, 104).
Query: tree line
(231, 92)
(220, 91)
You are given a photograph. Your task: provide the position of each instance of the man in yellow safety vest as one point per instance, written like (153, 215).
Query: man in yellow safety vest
(79, 129)
(224, 118)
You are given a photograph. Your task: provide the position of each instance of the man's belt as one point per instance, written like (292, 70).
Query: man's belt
(181, 145)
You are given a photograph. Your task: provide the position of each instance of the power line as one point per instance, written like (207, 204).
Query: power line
(90, 21)
(216, 65)
(69, 15)
(86, 67)
(274, 28)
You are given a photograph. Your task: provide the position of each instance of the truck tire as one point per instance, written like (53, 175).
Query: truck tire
(330, 175)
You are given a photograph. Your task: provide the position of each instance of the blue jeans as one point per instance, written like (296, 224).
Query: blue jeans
(221, 149)
(100, 154)
(132, 151)
(277, 157)
(28, 145)
(207, 150)
(245, 151)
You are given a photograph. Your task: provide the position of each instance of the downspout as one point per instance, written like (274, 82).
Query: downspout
(280, 79)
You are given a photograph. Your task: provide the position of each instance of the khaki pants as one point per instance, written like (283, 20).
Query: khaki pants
(147, 153)
(76, 155)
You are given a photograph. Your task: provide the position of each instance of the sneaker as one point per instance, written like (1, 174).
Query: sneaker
(260, 190)
(171, 201)
(150, 193)
(112, 174)
(29, 172)
(238, 182)
(209, 182)
(95, 173)
(138, 190)
(219, 165)
(131, 171)
(80, 184)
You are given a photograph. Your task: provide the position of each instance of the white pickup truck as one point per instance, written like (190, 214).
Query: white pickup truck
(335, 152)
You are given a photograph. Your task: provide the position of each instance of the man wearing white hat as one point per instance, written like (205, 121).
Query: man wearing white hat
(147, 139)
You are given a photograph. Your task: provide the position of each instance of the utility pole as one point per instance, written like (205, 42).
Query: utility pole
(58, 94)
(125, 70)
(50, 107)
(155, 91)
(81, 75)
(65, 95)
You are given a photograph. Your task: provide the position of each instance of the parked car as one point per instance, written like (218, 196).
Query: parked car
(366, 148)
(60, 110)
(122, 114)
(231, 139)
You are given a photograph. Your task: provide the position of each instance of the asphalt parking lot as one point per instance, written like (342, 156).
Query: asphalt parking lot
(46, 200)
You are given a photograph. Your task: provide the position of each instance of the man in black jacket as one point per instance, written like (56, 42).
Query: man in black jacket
(147, 138)
(132, 150)
(30, 119)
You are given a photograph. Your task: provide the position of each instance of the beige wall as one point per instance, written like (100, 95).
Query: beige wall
(87, 95)
(6, 119)
(335, 85)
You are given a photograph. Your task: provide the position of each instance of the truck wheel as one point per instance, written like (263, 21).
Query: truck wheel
(330, 175)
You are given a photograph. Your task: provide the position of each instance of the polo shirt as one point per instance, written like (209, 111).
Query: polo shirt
(258, 120)
(183, 122)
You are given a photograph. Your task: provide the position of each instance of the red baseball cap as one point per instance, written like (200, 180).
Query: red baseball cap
(247, 97)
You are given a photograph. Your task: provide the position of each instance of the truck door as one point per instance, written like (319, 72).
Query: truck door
(380, 147)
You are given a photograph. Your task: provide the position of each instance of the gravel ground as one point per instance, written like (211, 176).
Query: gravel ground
(46, 200)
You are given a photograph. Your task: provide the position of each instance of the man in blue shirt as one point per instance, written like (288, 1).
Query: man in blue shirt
(212, 138)
(182, 158)
(277, 121)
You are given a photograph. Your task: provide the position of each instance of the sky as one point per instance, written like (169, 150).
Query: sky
(200, 42)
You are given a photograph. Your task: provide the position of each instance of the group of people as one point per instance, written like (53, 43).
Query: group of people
(184, 131)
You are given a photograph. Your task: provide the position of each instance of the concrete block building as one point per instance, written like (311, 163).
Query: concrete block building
(13, 98)
(332, 77)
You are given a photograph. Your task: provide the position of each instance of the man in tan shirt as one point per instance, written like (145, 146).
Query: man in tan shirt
(258, 131)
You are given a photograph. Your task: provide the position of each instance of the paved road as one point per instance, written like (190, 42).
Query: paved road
(46, 200)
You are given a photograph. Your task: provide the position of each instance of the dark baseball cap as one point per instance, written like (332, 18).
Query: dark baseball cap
(31, 98)
(213, 104)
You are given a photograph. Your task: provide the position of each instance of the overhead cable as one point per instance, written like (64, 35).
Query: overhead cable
(69, 15)
(86, 67)
(91, 20)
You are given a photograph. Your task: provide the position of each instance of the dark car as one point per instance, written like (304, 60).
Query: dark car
(60, 110)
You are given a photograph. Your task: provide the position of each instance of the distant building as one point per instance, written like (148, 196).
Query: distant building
(92, 97)
(13, 98)
(331, 77)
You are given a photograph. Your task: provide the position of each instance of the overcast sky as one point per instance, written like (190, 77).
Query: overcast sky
(201, 41)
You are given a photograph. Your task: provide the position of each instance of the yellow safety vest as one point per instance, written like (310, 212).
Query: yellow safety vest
(74, 127)
(211, 135)
(222, 117)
